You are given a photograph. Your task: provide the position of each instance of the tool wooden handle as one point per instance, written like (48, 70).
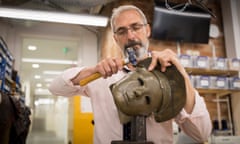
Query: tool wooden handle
(90, 78)
(95, 76)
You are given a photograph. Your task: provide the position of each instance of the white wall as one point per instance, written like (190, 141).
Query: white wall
(231, 23)
(88, 43)
(87, 39)
(231, 18)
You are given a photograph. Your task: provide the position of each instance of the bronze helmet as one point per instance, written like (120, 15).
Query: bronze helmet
(163, 94)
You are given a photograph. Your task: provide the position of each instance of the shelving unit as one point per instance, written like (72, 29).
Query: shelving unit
(219, 94)
(6, 67)
(8, 83)
(213, 72)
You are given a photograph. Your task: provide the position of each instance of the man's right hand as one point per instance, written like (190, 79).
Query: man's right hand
(109, 66)
(105, 68)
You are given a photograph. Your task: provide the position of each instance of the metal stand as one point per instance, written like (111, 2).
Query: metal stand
(138, 132)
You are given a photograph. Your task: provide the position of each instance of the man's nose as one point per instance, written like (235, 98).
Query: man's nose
(135, 93)
(130, 33)
(138, 92)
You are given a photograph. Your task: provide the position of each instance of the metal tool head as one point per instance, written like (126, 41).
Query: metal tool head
(131, 55)
(134, 54)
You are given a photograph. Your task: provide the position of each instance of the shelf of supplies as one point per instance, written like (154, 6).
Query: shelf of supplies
(219, 92)
(9, 79)
(222, 132)
(213, 72)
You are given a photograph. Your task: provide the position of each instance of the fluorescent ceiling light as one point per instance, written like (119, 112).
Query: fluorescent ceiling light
(35, 65)
(44, 101)
(32, 48)
(48, 80)
(52, 72)
(41, 91)
(49, 61)
(37, 76)
(38, 85)
(60, 17)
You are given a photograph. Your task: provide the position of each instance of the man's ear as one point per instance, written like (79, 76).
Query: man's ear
(148, 30)
(115, 38)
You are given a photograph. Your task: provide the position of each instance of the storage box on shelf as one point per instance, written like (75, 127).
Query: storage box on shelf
(219, 63)
(234, 83)
(234, 64)
(201, 62)
(186, 60)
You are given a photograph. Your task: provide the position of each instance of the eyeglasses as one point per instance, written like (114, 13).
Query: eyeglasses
(122, 31)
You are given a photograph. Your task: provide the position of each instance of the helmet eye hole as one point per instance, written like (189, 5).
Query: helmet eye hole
(141, 82)
(148, 100)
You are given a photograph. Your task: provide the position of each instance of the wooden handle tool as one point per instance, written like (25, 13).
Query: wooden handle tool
(131, 53)
(95, 76)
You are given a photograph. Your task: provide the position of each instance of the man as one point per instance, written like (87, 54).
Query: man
(130, 28)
